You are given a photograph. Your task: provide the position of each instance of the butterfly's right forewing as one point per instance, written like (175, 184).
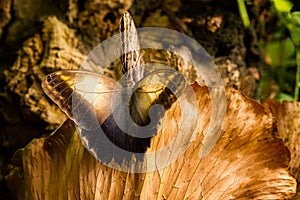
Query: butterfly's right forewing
(130, 56)
(161, 87)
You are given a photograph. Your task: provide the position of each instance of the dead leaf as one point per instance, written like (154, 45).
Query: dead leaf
(248, 162)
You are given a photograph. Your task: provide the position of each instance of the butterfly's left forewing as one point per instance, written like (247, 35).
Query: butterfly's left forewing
(84, 96)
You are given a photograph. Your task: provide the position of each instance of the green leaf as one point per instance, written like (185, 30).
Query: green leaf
(293, 24)
(296, 17)
(283, 5)
(243, 13)
(279, 51)
(295, 35)
(284, 97)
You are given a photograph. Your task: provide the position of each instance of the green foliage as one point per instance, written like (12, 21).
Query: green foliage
(281, 57)
(243, 12)
(283, 5)
(291, 20)
(281, 52)
(284, 97)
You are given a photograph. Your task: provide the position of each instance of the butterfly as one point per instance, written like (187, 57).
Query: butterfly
(86, 98)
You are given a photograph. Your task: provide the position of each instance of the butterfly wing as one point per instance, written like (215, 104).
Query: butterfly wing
(161, 87)
(130, 46)
(84, 96)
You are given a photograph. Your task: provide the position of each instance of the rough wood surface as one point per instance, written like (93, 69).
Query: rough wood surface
(248, 162)
(5, 15)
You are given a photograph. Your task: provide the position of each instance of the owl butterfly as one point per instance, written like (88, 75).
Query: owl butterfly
(86, 98)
